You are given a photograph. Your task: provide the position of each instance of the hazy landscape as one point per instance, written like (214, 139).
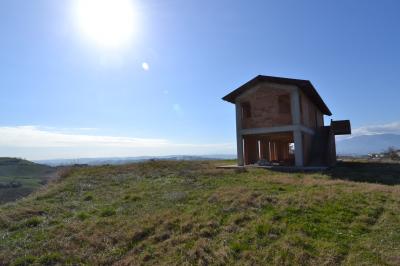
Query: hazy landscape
(125, 160)
(354, 146)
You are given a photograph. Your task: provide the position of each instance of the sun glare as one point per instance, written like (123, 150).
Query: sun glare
(145, 66)
(109, 23)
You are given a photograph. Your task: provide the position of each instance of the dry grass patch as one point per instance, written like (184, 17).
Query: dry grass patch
(190, 213)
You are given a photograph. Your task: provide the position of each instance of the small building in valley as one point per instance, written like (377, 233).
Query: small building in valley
(280, 121)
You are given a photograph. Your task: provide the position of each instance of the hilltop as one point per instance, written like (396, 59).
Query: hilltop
(190, 213)
(19, 177)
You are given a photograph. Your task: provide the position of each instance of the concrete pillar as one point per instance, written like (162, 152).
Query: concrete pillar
(239, 137)
(298, 148)
(295, 106)
(297, 135)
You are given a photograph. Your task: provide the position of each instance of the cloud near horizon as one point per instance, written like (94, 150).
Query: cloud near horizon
(389, 128)
(39, 143)
(35, 143)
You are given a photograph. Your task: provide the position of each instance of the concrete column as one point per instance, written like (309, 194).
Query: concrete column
(297, 135)
(239, 137)
(298, 148)
(295, 106)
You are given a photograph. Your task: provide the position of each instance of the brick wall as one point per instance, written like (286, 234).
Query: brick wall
(264, 107)
(311, 116)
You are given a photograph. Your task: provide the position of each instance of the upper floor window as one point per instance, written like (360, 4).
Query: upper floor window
(246, 110)
(284, 104)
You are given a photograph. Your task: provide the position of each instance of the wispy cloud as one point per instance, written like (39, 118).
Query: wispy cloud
(32, 136)
(35, 142)
(393, 128)
(389, 128)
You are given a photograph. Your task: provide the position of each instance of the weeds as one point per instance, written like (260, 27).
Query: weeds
(33, 222)
(108, 211)
(190, 213)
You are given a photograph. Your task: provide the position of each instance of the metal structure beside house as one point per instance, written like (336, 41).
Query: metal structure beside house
(280, 121)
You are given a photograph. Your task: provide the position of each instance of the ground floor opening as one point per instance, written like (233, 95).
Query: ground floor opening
(272, 149)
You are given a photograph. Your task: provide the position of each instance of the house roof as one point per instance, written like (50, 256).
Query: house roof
(305, 85)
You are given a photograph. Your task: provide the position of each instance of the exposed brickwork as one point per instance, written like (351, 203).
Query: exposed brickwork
(270, 105)
(264, 104)
(311, 116)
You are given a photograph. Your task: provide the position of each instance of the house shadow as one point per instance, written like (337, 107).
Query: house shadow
(372, 172)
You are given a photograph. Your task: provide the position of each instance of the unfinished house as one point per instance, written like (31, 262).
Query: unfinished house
(280, 121)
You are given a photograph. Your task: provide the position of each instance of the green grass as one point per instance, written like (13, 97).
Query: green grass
(21, 168)
(28, 175)
(190, 213)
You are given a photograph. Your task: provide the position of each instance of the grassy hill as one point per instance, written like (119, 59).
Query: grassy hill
(19, 177)
(190, 213)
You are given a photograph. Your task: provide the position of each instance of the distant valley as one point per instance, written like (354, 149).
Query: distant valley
(124, 160)
(356, 146)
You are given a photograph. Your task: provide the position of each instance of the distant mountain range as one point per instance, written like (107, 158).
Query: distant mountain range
(362, 145)
(124, 160)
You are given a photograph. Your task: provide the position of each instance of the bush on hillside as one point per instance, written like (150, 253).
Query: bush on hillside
(393, 153)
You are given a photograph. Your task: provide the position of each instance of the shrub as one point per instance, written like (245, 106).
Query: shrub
(82, 216)
(109, 211)
(50, 259)
(132, 197)
(262, 230)
(22, 261)
(64, 172)
(33, 221)
(88, 197)
(393, 153)
(238, 247)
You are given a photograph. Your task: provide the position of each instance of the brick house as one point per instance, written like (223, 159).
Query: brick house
(280, 121)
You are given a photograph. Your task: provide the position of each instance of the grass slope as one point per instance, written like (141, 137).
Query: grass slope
(190, 213)
(19, 177)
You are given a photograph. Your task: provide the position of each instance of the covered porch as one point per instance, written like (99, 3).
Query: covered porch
(269, 149)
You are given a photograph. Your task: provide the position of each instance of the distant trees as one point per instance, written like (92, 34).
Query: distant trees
(393, 153)
(11, 184)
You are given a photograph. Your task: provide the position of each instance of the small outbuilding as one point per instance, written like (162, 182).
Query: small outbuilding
(280, 121)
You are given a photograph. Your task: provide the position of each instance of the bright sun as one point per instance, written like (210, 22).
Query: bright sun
(109, 23)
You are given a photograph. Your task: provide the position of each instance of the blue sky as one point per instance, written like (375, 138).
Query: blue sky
(64, 96)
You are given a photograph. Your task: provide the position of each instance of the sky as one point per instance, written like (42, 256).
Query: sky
(149, 80)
